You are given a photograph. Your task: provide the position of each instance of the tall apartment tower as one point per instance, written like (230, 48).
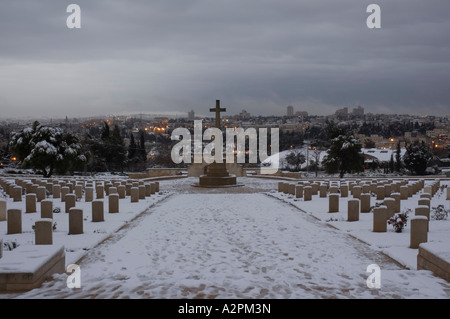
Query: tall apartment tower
(290, 110)
(191, 115)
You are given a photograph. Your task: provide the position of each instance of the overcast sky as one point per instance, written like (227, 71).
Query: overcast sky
(159, 56)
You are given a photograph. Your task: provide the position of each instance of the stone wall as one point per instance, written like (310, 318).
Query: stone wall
(158, 172)
(436, 258)
(32, 266)
(197, 169)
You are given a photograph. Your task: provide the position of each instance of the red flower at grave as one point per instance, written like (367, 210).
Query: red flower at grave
(398, 221)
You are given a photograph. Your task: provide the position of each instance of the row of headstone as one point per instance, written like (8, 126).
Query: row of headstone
(305, 190)
(44, 228)
(390, 192)
(392, 205)
(19, 187)
(432, 188)
(60, 188)
(380, 189)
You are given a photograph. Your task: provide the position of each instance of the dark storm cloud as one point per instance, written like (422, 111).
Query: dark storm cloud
(259, 55)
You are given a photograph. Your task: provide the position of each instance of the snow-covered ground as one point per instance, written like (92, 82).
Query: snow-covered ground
(240, 242)
(391, 243)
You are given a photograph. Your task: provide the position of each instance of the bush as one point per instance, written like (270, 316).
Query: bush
(399, 220)
(439, 212)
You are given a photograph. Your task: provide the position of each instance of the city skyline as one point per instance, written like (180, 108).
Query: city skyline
(298, 113)
(173, 57)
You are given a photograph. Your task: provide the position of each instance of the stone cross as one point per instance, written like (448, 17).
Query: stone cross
(218, 109)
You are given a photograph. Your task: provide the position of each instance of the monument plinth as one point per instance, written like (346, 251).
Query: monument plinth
(217, 174)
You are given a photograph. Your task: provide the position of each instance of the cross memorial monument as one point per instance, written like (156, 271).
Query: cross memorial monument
(217, 174)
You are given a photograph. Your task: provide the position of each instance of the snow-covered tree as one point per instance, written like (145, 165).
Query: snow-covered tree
(344, 156)
(416, 158)
(295, 158)
(47, 149)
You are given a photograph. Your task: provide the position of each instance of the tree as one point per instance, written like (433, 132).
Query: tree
(109, 152)
(20, 142)
(316, 156)
(368, 143)
(296, 159)
(116, 150)
(132, 153)
(334, 130)
(132, 147)
(142, 152)
(105, 131)
(398, 158)
(344, 155)
(391, 164)
(417, 157)
(47, 149)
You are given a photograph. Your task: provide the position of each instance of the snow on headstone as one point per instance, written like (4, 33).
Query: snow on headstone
(344, 190)
(56, 190)
(396, 197)
(419, 233)
(307, 193)
(113, 203)
(79, 191)
(75, 221)
(299, 191)
(41, 192)
(121, 189)
(134, 194)
(2, 210)
(333, 203)
(380, 192)
(365, 202)
(46, 209)
(14, 224)
(97, 211)
(353, 210)
(141, 191)
(390, 205)
(423, 210)
(64, 191)
(30, 203)
(403, 192)
(43, 232)
(17, 193)
(88, 194)
(380, 219)
(357, 192)
(323, 190)
(148, 190)
(100, 192)
(424, 201)
(70, 200)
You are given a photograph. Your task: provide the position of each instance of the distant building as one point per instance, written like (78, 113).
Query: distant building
(301, 113)
(379, 155)
(244, 115)
(290, 110)
(358, 111)
(342, 113)
(191, 115)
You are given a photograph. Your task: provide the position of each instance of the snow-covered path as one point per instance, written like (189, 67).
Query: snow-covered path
(236, 246)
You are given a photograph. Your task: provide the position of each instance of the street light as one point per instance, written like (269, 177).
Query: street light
(307, 158)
